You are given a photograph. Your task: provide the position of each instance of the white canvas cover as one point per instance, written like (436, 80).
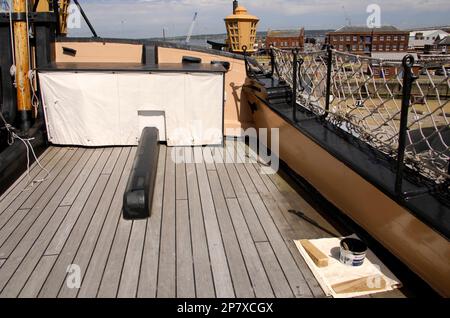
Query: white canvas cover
(109, 109)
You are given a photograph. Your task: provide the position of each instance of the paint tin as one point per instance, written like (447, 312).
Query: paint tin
(352, 251)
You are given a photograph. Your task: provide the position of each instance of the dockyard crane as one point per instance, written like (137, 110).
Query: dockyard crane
(191, 28)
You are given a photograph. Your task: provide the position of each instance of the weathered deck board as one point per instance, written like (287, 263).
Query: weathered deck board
(238, 269)
(37, 279)
(21, 182)
(97, 264)
(95, 184)
(185, 270)
(218, 228)
(130, 273)
(17, 202)
(93, 232)
(202, 268)
(258, 276)
(167, 254)
(219, 264)
(148, 280)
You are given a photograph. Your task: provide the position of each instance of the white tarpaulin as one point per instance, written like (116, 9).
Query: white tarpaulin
(107, 109)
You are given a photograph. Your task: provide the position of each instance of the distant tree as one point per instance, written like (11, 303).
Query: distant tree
(310, 40)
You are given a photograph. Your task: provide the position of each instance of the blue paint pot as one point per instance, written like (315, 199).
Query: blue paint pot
(353, 251)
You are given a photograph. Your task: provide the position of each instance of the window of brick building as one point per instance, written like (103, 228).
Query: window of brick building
(381, 38)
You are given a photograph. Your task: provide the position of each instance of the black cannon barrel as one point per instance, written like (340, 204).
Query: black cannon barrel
(138, 196)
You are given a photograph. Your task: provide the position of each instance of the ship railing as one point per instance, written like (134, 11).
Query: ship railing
(400, 108)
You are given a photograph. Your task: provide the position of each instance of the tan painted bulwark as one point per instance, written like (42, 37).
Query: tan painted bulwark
(99, 52)
(426, 252)
(235, 115)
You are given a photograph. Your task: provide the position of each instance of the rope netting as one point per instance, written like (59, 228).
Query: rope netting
(366, 97)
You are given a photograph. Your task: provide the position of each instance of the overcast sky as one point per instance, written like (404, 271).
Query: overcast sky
(147, 18)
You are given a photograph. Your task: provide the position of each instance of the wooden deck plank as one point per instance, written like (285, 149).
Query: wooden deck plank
(241, 281)
(221, 273)
(83, 176)
(97, 264)
(12, 224)
(276, 276)
(229, 229)
(89, 241)
(111, 277)
(34, 243)
(148, 280)
(37, 279)
(202, 266)
(270, 202)
(185, 269)
(34, 197)
(24, 268)
(250, 216)
(39, 215)
(259, 279)
(94, 168)
(95, 184)
(181, 187)
(293, 273)
(54, 165)
(208, 159)
(312, 282)
(225, 181)
(167, 254)
(129, 280)
(56, 278)
(111, 165)
(16, 188)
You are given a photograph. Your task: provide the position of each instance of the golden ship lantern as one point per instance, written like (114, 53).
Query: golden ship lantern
(241, 30)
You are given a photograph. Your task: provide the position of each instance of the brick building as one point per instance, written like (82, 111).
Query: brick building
(364, 40)
(286, 39)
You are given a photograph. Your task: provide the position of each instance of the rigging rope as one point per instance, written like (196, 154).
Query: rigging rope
(12, 136)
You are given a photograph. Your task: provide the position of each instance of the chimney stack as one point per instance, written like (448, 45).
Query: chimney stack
(235, 5)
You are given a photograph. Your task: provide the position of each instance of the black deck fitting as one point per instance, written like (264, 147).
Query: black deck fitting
(138, 196)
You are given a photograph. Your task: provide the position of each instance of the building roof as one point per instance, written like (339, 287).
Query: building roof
(285, 33)
(428, 33)
(357, 29)
(445, 41)
(392, 56)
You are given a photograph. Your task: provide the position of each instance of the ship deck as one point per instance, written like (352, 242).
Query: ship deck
(217, 229)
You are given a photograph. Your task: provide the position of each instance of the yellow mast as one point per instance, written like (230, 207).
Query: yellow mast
(22, 63)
